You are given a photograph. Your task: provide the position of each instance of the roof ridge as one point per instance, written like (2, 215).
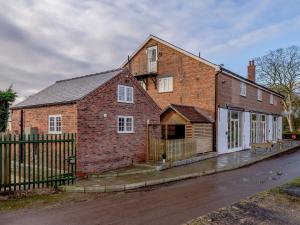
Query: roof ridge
(89, 75)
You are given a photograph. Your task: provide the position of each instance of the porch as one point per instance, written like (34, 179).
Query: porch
(184, 132)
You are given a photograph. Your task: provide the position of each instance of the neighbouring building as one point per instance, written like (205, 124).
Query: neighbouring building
(109, 111)
(241, 111)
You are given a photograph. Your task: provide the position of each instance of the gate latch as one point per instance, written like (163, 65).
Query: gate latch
(71, 159)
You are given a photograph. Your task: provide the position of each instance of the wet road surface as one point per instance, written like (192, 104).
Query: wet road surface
(175, 203)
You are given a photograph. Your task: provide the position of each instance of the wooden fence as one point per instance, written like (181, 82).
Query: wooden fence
(177, 149)
(36, 161)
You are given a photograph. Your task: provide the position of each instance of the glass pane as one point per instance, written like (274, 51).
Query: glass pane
(129, 94)
(128, 124)
(121, 124)
(121, 93)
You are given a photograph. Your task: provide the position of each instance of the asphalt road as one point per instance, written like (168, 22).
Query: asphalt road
(175, 203)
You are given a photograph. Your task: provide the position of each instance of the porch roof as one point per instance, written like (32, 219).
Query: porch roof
(191, 113)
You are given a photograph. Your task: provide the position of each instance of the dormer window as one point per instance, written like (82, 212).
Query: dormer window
(152, 59)
(259, 95)
(243, 90)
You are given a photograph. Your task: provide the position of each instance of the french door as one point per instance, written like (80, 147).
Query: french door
(258, 128)
(234, 130)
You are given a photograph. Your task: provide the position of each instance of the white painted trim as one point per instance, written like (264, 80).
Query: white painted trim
(126, 132)
(243, 84)
(55, 125)
(171, 79)
(173, 47)
(126, 87)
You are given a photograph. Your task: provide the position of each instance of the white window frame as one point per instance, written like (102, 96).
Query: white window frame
(152, 65)
(271, 99)
(243, 89)
(126, 88)
(55, 125)
(126, 131)
(162, 88)
(259, 95)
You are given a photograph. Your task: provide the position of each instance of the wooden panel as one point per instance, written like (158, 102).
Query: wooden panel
(171, 117)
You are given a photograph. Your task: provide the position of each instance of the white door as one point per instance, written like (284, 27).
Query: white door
(152, 59)
(222, 146)
(234, 130)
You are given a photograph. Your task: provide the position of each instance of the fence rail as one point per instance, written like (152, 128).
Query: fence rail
(177, 149)
(36, 161)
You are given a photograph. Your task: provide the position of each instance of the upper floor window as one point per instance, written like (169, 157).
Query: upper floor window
(259, 95)
(125, 94)
(243, 90)
(125, 124)
(152, 59)
(271, 99)
(55, 124)
(165, 84)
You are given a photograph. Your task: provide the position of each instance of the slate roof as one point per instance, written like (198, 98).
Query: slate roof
(69, 90)
(193, 114)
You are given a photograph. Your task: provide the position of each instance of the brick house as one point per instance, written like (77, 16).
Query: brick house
(109, 111)
(242, 111)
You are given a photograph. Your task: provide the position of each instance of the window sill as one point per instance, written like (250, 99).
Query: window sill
(164, 92)
(125, 102)
(120, 132)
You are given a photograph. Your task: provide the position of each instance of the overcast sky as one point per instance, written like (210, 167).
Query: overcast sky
(42, 41)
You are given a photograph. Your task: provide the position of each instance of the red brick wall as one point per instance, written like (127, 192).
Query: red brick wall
(194, 81)
(229, 94)
(100, 146)
(38, 117)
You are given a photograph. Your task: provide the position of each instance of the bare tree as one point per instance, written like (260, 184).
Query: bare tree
(280, 71)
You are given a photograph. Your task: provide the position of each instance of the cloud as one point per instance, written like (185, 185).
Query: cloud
(42, 41)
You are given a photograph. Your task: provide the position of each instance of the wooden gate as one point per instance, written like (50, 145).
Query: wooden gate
(35, 161)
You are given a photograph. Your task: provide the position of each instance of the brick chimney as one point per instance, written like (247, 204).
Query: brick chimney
(251, 70)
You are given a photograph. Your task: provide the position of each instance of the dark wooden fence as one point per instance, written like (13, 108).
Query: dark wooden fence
(34, 161)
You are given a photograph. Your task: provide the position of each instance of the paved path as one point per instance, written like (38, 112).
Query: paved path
(170, 204)
(212, 165)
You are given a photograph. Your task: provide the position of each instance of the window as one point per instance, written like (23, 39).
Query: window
(152, 59)
(271, 99)
(243, 90)
(55, 124)
(125, 94)
(165, 84)
(125, 124)
(259, 95)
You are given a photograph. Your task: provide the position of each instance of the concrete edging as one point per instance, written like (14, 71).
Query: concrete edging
(148, 183)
